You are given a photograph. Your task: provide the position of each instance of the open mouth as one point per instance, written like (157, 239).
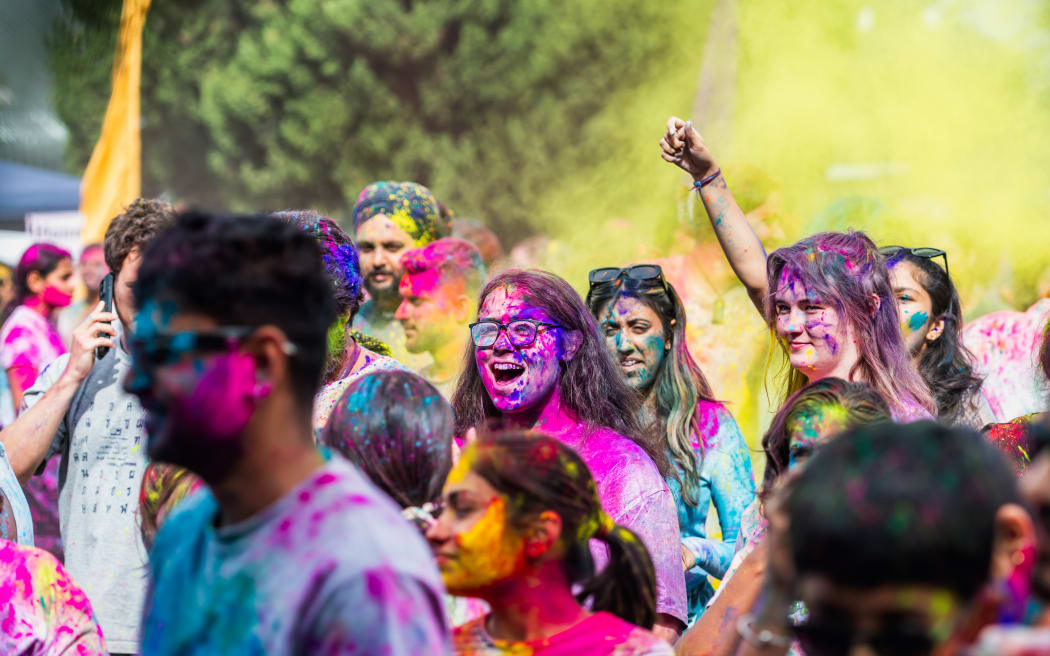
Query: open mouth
(505, 372)
(630, 362)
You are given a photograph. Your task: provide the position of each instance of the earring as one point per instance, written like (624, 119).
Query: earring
(261, 390)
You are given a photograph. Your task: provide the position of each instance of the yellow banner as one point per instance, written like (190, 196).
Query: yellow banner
(113, 177)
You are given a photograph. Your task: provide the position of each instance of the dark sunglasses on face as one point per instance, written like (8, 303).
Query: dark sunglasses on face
(163, 349)
(923, 251)
(827, 638)
(520, 332)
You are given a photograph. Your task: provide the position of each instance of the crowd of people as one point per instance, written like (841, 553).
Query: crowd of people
(273, 436)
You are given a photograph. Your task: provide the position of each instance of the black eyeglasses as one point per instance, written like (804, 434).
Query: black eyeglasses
(166, 348)
(636, 273)
(520, 332)
(923, 251)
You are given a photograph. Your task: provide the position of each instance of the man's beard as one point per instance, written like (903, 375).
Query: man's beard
(386, 296)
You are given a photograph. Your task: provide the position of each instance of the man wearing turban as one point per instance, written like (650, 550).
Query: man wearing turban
(391, 218)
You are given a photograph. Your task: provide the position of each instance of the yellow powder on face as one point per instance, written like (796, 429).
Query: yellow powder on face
(489, 552)
(463, 466)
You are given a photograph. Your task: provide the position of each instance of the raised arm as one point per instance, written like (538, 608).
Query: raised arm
(27, 440)
(683, 146)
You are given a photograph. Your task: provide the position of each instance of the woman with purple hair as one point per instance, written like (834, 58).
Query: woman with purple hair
(827, 298)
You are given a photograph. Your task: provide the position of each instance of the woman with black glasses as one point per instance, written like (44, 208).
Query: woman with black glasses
(643, 323)
(538, 363)
(931, 321)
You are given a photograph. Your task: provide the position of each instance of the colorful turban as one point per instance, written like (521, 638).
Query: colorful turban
(409, 205)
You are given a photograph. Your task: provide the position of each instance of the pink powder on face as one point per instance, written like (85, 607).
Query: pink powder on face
(222, 401)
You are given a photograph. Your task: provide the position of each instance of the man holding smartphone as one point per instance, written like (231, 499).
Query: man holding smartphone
(78, 409)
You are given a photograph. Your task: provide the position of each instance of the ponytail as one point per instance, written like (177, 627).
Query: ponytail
(536, 473)
(627, 586)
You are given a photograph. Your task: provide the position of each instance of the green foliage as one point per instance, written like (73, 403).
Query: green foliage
(264, 104)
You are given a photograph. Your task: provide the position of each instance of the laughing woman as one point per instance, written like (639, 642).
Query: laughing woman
(643, 323)
(538, 363)
(827, 298)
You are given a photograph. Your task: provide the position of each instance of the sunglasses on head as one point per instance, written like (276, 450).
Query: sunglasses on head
(925, 252)
(638, 273)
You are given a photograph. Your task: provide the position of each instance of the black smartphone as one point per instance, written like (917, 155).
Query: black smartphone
(105, 294)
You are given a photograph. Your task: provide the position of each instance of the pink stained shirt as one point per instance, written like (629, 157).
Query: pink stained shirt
(43, 610)
(1005, 346)
(634, 494)
(601, 634)
(29, 342)
(27, 339)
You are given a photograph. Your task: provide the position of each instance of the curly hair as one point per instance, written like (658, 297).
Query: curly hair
(141, 221)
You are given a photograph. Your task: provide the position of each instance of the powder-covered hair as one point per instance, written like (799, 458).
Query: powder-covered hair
(945, 364)
(397, 428)
(900, 504)
(591, 386)
(454, 259)
(340, 257)
(679, 385)
(845, 270)
(409, 205)
(860, 404)
(535, 474)
(41, 258)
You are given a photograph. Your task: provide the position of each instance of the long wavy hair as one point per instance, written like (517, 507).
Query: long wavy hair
(590, 385)
(42, 258)
(945, 364)
(679, 384)
(536, 473)
(846, 270)
(862, 405)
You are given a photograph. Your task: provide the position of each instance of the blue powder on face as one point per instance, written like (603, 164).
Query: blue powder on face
(917, 321)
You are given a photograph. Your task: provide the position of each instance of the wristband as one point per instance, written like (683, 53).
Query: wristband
(764, 638)
(700, 184)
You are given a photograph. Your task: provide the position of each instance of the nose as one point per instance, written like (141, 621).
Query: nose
(623, 345)
(438, 533)
(502, 344)
(376, 258)
(793, 322)
(402, 311)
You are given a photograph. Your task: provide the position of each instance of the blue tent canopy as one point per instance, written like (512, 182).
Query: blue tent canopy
(26, 189)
